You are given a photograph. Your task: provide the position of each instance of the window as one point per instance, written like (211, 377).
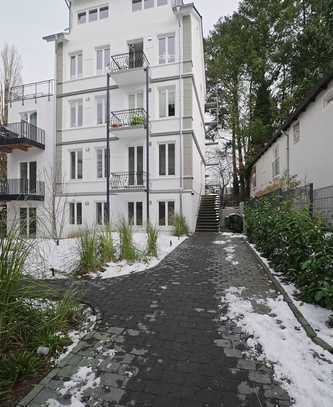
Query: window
(135, 213)
(167, 159)
(75, 213)
(167, 101)
(135, 100)
(136, 5)
(28, 222)
(102, 59)
(101, 109)
(104, 12)
(276, 162)
(166, 213)
(101, 213)
(93, 15)
(76, 66)
(76, 164)
(149, 3)
(101, 163)
(162, 2)
(76, 109)
(167, 49)
(82, 17)
(296, 132)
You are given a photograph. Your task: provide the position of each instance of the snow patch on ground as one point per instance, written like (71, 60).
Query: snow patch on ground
(314, 314)
(46, 255)
(304, 370)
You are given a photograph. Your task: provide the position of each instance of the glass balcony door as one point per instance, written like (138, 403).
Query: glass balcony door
(135, 54)
(135, 166)
(28, 177)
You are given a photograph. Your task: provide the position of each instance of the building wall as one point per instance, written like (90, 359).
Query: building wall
(310, 157)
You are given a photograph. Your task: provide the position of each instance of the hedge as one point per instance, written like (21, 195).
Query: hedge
(296, 246)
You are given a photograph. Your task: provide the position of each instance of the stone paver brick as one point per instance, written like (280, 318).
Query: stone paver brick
(164, 340)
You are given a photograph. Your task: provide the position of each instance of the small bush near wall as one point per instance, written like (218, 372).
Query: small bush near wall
(296, 245)
(181, 227)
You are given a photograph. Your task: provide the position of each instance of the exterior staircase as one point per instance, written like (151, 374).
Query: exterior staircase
(209, 214)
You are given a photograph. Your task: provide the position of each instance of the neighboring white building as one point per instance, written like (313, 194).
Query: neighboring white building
(302, 149)
(157, 146)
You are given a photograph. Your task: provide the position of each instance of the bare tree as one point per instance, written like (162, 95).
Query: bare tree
(52, 214)
(10, 76)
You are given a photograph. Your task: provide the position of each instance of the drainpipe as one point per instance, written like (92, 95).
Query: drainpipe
(181, 186)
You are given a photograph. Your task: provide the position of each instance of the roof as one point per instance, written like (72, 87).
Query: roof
(311, 97)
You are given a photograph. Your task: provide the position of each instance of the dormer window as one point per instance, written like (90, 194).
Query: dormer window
(93, 15)
(82, 17)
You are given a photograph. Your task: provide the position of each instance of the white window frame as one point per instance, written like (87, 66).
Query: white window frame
(168, 222)
(276, 161)
(296, 128)
(75, 205)
(106, 6)
(82, 12)
(167, 174)
(106, 58)
(101, 101)
(93, 10)
(103, 150)
(167, 89)
(78, 65)
(167, 58)
(76, 176)
(147, 4)
(28, 222)
(162, 3)
(136, 96)
(103, 213)
(76, 106)
(135, 219)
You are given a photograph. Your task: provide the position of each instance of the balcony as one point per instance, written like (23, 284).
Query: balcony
(22, 190)
(129, 69)
(130, 122)
(128, 181)
(32, 91)
(21, 136)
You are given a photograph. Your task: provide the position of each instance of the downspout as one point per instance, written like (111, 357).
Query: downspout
(181, 181)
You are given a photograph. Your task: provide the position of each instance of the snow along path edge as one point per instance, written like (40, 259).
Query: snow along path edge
(311, 333)
(29, 398)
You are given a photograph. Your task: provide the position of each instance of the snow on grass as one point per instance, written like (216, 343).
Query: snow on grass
(166, 244)
(304, 370)
(316, 316)
(47, 255)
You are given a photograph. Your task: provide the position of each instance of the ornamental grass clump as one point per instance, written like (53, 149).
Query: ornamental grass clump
(181, 228)
(88, 253)
(128, 251)
(152, 241)
(296, 245)
(107, 250)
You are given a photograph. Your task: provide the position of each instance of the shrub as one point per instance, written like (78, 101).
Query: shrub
(296, 245)
(88, 253)
(181, 227)
(127, 248)
(152, 241)
(106, 245)
(137, 120)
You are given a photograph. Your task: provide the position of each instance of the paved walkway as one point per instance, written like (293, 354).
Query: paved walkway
(162, 341)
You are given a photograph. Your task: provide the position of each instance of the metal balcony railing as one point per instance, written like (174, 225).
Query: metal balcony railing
(21, 133)
(22, 189)
(128, 118)
(32, 91)
(127, 61)
(128, 181)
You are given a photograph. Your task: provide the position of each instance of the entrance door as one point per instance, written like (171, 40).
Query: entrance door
(135, 54)
(135, 165)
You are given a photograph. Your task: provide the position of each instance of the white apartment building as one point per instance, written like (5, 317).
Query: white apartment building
(57, 156)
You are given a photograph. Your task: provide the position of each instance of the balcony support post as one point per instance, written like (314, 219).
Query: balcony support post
(147, 144)
(108, 166)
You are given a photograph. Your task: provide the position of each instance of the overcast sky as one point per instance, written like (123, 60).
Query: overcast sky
(24, 23)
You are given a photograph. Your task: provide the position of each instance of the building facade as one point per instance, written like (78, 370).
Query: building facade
(301, 150)
(153, 52)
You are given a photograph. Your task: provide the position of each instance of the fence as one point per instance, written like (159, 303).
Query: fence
(319, 202)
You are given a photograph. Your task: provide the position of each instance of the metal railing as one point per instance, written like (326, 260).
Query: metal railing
(32, 91)
(22, 130)
(128, 181)
(127, 61)
(22, 186)
(129, 118)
